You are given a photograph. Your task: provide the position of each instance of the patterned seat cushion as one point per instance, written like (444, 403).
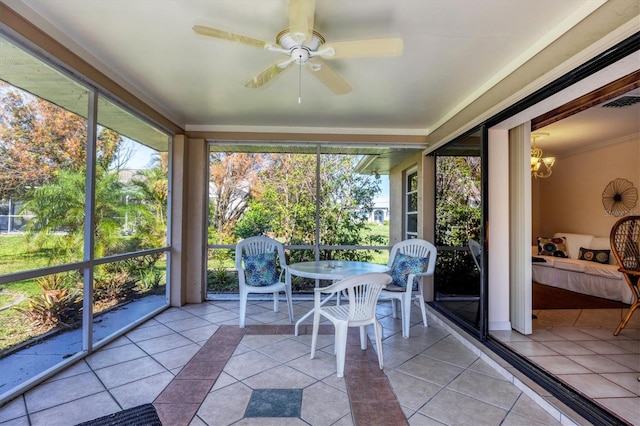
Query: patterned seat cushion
(404, 265)
(260, 269)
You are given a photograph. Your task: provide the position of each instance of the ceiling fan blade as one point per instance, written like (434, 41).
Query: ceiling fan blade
(331, 79)
(267, 75)
(301, 14)
(364, 48)
(226, 35)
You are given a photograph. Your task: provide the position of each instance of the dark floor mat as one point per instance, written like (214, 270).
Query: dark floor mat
(142, 415)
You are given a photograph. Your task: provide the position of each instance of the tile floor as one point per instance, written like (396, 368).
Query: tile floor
(579, 348)
(434, 377)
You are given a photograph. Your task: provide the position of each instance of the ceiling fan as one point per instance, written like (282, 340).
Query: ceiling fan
(306, 46)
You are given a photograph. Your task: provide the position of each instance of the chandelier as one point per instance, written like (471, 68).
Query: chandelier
(540, 166)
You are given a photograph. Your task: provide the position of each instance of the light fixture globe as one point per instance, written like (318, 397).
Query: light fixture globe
(540, 165)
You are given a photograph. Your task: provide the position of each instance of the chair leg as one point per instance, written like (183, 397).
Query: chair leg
(363, 338)
(287, 292)
(626, 318)
(341, 347)
(275, 301)
(377, 328)
(422, 308)
(405, 304)
(394, 308)
(314, 335)
(243, 307)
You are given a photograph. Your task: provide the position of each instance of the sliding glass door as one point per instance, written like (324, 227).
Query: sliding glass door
(460, 289)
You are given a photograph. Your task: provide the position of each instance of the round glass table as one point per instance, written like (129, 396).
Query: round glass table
(331, 270)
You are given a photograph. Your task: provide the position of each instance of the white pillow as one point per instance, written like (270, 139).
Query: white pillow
(574, 242)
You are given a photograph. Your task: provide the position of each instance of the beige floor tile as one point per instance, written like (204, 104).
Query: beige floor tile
(172, 314)
(13, 410)
(571, 334)
(632, 346)
(509, 336)
(178, 357)
(323, 404)
(482, 367)
(452, 408)
(452, 351)
(531, 348)
(323, 365)
(80, 410)
(111, 356)
(567, 348)
(222, 317)
(627, 408)
(429, 369)
(130, 371)
(527, 408)
(201, 334)
(419, 419)
(628, 381)
(187, 323)
(143, 391)
(223, 380)
(164, 343)
(484, 388)
(280, 377)
(216, 409)
(603, 348)
(285, 350)
(631, 361)
(149, 332)
(514, 419)
(347, 420)
(557, 364)
(411, 392)
(61, 391)
(600, 364)
(336, 382)
(248, 364)
(595, 386)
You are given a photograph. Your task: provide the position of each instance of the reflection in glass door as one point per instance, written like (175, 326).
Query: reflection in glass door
(458, 223)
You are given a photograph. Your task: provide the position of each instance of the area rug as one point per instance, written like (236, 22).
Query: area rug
(142, 415)
(548, 297)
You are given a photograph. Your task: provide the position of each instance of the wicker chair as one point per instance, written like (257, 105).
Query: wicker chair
(625, 245)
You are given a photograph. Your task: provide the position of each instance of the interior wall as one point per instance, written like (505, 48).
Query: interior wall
(570, 200)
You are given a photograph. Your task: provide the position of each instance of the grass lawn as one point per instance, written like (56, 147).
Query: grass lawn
(16, 254)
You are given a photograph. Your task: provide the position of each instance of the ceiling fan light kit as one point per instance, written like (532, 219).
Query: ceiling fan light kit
(306, 46)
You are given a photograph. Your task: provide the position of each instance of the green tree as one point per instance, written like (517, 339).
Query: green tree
(286, 204)
(59, 206)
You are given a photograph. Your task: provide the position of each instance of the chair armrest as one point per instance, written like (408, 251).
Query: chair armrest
(329, 289)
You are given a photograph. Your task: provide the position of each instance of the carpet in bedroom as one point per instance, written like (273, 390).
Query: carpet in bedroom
(548, 297)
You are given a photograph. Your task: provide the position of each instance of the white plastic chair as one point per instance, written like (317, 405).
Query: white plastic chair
(419, 249)
(256, 246)
(363, 292)
(476, 252)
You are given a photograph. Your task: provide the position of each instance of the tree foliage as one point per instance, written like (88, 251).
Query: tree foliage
(285, 206)
(38, 139)
(233, 180)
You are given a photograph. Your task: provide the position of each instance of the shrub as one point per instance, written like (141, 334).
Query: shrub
(57, 305)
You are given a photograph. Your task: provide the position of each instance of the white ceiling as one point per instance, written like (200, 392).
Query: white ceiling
(454, 50)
